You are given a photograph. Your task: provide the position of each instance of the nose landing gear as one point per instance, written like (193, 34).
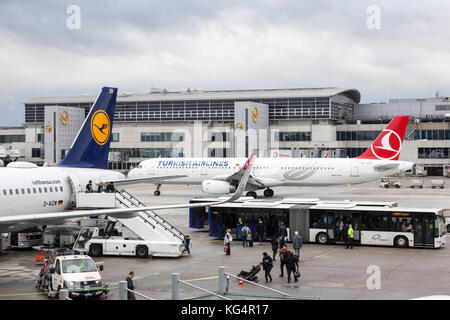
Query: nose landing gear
(157, 192)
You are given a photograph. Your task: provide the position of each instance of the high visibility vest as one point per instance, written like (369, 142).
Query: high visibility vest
(350, 232)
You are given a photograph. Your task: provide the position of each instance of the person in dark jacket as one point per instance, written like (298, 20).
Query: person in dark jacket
(297, 243)
(267, 266)
(274, 247)
(291, 265)
(131, 286)
(186, 244)
(260, 231)
(282, 231)
(89, 188)
(283, 252)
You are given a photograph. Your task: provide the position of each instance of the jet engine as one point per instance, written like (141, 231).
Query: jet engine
(217, 187)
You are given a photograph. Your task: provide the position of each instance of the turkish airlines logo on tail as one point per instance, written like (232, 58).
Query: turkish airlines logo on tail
(387, 146)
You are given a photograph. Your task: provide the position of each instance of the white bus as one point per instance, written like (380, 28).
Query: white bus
(399, 227)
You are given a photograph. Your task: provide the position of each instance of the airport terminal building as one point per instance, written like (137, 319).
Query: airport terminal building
(273, 123)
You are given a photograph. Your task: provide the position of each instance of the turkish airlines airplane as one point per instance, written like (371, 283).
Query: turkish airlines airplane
(221, 175)
(36, 196)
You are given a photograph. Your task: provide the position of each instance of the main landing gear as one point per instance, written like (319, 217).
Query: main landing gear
(251, 194)
(268, 193)
(157, 192)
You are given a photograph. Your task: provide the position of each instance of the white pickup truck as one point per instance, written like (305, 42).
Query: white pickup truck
(67, 269)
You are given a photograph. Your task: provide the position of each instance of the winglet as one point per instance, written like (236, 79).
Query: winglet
(247, 168)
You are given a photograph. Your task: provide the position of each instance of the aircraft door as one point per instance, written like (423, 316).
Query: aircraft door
(76, 186)
(354, 169)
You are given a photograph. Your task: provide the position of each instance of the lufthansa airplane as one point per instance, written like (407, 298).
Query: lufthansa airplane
(38, 196)
(221, 175)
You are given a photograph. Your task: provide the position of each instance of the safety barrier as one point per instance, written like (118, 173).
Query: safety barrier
(123, 292)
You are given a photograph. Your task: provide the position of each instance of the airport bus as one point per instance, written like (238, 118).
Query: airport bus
(373, 223)
(397, 226)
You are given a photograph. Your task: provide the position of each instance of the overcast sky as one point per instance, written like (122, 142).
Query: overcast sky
(215, 45)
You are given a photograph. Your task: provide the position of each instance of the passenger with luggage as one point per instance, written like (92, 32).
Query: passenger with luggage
(292, 266)
(267, 266)
(244, 235)
(282, 231)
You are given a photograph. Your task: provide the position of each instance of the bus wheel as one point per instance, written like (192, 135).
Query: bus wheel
(321, 238)
(401, 242)
(95, 250)
(142, 251)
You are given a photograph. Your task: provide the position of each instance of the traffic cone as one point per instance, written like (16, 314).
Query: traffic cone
(241, 283)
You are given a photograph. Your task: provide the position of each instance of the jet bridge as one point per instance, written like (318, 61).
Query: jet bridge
(161, 237)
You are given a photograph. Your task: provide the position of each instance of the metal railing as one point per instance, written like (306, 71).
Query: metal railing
(123, 292)
(176, 288)
(150, 214)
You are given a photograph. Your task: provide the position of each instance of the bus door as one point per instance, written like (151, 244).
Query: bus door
(424, 230)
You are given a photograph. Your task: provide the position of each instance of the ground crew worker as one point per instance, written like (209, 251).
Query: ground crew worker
(89, 187)
(186, 243)
(350, 236)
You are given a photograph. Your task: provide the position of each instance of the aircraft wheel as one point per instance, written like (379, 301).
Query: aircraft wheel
(268, 193)
(252, 194)
(157, 192)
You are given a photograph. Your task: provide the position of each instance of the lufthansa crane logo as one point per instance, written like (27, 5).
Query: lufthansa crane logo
(255, 114)
(64, 117)
(388, 146)
(100, 127)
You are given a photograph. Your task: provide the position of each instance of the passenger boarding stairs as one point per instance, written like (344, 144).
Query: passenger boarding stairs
(150, 226)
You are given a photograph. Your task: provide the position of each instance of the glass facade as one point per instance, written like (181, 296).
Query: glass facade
(433, 153)
(357, 135)
(294, 136)
(150, 152)
(335, 107)
(161, 136)
(432, 135)
(12, 138)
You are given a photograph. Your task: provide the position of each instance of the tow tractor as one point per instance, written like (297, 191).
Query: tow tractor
(68, 269)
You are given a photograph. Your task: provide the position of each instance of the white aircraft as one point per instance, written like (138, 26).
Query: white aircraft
(221, 175)
(34, 196)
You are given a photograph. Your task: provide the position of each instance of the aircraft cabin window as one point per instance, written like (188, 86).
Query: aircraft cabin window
(4, 192)
(23, 191)
(40, 190)
(34, 190)
(45, 189)
(61, 188)
(51, 189)
(28, 190)
(17, 191)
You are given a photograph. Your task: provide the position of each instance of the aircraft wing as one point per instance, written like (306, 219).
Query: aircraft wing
(43, 218)
(237, 176)
(147, 179)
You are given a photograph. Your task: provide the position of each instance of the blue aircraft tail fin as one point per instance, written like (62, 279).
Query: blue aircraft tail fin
(91, 146)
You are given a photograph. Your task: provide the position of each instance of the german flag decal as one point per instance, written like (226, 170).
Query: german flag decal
(60, 202)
